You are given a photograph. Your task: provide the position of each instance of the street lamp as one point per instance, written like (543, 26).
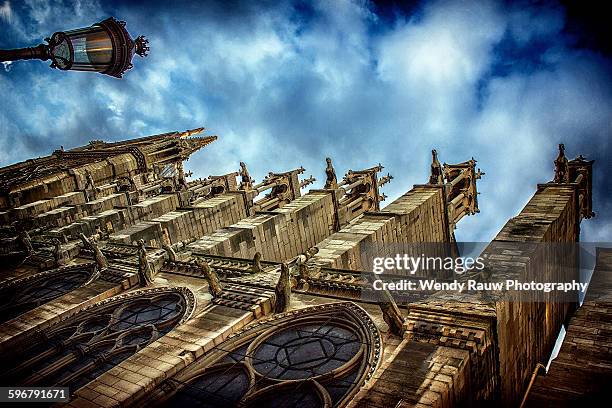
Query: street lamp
(105, 47)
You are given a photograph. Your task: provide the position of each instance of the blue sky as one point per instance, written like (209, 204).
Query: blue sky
(287, 84)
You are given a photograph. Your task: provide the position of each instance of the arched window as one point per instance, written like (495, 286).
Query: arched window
(76, 351)
(22, 295)
(313, 357)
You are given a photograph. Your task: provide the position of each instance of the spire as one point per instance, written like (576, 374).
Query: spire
(162, 148)
(138, 141)
(281, 188)
(212, 186)
(193, 144)
(175, 147)
(16, 181)
(459, 181)
(191, 132)
(361, 192)
(141, 46)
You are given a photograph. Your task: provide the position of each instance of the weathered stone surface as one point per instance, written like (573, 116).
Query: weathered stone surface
(581, 373)
(442, 350)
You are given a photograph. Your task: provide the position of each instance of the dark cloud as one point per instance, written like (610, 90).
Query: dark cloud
(288, 84)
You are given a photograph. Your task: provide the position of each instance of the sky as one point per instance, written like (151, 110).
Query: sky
(285, 84)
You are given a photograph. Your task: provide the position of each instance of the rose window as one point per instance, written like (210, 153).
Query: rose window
(317, 358)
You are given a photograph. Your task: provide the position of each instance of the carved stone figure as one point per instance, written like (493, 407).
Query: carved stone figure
(561, 166)
(246, 182)
(330, 173)
(436, 169)
(26, 241)
(15, 198)
(256, 267)
(302, 265)
(214, 284)
(312, 252)
(170, 251)
(145, 272)
(167, 246)
(86, 242)
(182, 179)
(58, 255)
(391, 313)
(125, 184)
(302, 268)
(90, 185)
(100, 235)
(101, 261)
(283, 290)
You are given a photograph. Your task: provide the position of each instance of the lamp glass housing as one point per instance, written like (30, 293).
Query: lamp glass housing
(105, 47)
(92, 47)
(83, 49)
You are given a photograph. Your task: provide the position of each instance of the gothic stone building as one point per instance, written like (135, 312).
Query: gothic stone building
(133, 286)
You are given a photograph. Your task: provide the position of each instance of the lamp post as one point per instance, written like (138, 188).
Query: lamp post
(105, 47)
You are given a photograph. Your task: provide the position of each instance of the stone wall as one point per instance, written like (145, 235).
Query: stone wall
(278, 235)
(581, 374)
(416, 217)
(209, 326)
(527, 330)
(419, 374)
(506, 337)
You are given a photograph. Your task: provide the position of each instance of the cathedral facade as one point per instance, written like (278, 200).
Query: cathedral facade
(134, 284)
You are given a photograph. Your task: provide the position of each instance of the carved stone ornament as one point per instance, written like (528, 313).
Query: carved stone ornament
(269, 364)
(214, 284)
(283, 290)
(21, 295)
(105, 333)
(246, 182)
(256, 268)
(331, 180)
(92, 245)
(145, 272)
(561, 166)
(436, 169)
(391, 313)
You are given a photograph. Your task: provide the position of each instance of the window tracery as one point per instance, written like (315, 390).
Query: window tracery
(22, 295)
(96, 339)
(313, 357)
